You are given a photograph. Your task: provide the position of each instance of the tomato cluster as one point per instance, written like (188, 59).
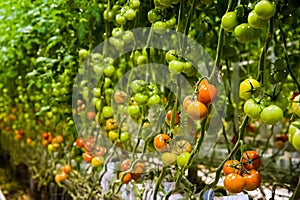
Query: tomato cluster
(178, 65)
(52, 143)
(173, 150)
(247, 31)
(130, 170)
(269, 108)
(91, 153)
(242, 175)
(63, 175)
(206, 94)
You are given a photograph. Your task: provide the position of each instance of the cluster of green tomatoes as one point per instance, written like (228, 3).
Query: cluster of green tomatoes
(247, 31)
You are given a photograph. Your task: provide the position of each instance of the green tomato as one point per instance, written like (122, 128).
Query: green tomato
(252, 109)
(113, 135)
(176, 66)
(109, 15)
(265, 9)
(244, 33)
(182, 159)
(109, 70)
(141, 60)
(170, 55)
(271, 114)
(137, 85)
(171, 22)
(153, 100)
(255, 22)
(154, 16)
(124, 136)
(128, 36)
(135, 4)
(134, 111)
(168, 158)
(97, 69)
(248, 87)
(97, 161)
(83, 53)
(229, 21)
(159, 27)
(107, 112)
(140, 98)
(294, 127)
(120, 19)
(130, 14)
(97, 92)
(117, 32)
(107, 82)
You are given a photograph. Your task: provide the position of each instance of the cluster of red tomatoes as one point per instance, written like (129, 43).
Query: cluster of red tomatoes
(65, 170)
(52, 143)
(247, 31)
(91, 154)
(242, 175)
(198, 108)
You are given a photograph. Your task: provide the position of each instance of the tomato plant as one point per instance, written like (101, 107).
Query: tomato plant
(91, 91)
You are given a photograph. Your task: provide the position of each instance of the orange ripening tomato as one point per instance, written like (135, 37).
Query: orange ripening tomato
(231, 166)
(59, 139)
(125, 164)
(87, 157)
(126, 179)
(120, 97)
(207, 93)
(67, 168)
(197, 110)
(252, 180)
(111, 124)
(251, 160)
(79, 142)
(160, 142)
(234, 183)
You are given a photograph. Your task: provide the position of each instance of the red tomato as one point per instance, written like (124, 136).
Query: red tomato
(251, 160)
(79, 142)
(87, 157)
(91, 115)
(169, 118)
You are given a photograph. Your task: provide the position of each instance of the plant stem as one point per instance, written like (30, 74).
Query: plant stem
(296, 194)
(286, 56)
(233, 151)
(158, 182)
(261, 64)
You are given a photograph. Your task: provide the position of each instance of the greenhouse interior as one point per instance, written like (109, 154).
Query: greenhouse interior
(150, 99)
